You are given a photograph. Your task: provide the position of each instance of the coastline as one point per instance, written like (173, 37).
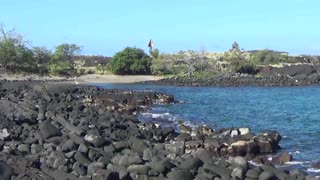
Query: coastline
(111, 143)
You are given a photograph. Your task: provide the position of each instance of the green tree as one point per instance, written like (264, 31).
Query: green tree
(42, 55)
(154, 53)
(235, 53)
(131, 61)
(63, 59)
(14, 53)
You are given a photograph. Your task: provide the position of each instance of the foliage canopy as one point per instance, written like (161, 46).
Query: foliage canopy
(130, 61)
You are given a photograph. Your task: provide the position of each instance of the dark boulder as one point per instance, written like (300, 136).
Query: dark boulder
(81, 158)
(5, 171)
(191, 163)
(282, 158)
(47, 130)
(252, 173)
(137, 145)
(139, 169)
(79, 168)
(180, 175)
(162, 166)
(203, 155)
(266, 175)
(96, 140)
(220, 171)
(239, 162)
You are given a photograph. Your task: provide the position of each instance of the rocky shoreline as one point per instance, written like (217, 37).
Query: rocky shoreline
(52, 130)
(295, 75)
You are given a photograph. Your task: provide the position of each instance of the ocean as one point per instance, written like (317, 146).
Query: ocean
(292, 111)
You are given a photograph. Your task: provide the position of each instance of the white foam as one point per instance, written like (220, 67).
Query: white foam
(254, 163)
(160, 115)
(313, 170)
(294, 162)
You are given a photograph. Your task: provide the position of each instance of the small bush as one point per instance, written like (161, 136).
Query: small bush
(90, 71)
(244, 67)
(61, 68)
(131, 61)
(266, 57)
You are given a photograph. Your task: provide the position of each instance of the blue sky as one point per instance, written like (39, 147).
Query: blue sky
(106, 26)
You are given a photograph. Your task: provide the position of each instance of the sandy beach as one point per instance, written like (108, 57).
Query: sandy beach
(90, 78)
(116, 79)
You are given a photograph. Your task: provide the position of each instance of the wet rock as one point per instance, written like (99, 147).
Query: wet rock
(265, 146)
(316, 165)
(298, 172)
(48, 130)
(242, 148)
(282, 158)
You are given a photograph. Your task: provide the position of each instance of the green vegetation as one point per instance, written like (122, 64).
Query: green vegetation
(63, 62)
(130, 61)
(266, 57)
(154, 53)
(14, 53)
(17, 56)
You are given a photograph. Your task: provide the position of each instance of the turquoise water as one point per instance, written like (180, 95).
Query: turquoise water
(292, 111)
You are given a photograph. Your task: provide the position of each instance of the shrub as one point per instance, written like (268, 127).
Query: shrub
(244, 67)
(14, 53)
(131, 61)
(266, 57)
(59, 68)
(154, 53)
